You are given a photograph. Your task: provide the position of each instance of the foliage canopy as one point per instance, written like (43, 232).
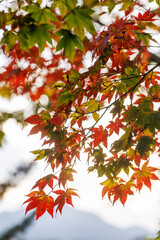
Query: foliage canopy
(122, 79)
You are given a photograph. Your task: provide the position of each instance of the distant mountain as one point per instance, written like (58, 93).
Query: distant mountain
(72, 225)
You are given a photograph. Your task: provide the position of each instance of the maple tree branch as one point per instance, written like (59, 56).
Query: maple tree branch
(123, 95)
(96, 65)
(153, 57)
(129, 42)
(130, 90)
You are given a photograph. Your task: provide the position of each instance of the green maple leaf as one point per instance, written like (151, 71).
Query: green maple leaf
(32, 34)
(69, 42)
(118, 106)
(9, 39)
(41, 153)
(44, 16)
(40, 15)
(40, 35)
(92, 105)
(131, 78)
(123, 143)
(100, 170)
(153, 121)
(65, 98)
(80, 19)
(131, 115)
(144, 145)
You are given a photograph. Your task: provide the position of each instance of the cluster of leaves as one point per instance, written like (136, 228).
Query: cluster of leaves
(120, 81)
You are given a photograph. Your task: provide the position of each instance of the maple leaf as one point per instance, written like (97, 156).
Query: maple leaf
(30, 35)
(80, 18)
(109, 185)
(115, 126)
(122, 58)
(135, 156)
(74, 139)
(154, 91)
(34, 119)
(65, 98)
(41, 121)
(145, 145)
(40, 201)
(124, 142)
(44, 15)
(100, 136)
(2, 19)
(47, 180)
(144, 175)
(122, 191)
(117, 163)
(117, 190)
(118, 106)
(66, 175)
(147, 16)
(107, 95)
(57, 120)
(64, 197)
(69, 42)
(63, 157)
(64, 5)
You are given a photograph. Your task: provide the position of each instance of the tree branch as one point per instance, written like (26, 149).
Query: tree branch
(123, 95)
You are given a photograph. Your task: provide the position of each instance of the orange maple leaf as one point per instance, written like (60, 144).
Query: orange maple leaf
(40, 201)
(144, 175)
(64, 197)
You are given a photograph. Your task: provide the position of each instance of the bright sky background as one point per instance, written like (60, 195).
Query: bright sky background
(141, 210)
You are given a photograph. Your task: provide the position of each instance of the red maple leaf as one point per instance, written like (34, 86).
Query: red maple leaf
(147, 16)
(122, 191)
(57, 120)
(115, 126)
(40, 201)
(100, 136)
(43, 182)
(34, 119)
(64, 197)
